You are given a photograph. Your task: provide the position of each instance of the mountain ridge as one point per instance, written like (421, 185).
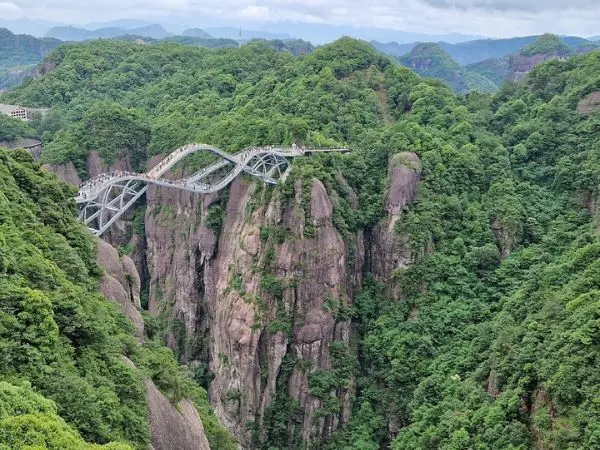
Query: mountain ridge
(430, 60)
(72, 33)
(470, 52)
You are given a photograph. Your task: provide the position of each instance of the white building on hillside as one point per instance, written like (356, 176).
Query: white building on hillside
(20, 112)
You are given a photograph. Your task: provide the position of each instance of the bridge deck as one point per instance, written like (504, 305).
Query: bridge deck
(106, 197)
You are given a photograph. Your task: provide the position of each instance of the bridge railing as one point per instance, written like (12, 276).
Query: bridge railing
(106, 196)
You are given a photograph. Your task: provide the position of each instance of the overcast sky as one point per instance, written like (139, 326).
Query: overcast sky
(500, 18)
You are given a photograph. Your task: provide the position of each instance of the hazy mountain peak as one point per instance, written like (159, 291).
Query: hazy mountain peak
(545, 44)
(71, 33)
(430, 60)
(196, 32)
(426, 55)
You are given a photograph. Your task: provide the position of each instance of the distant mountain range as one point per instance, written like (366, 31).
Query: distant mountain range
(37, 28)
(234, 33)
(197, 33)
(429, 60)
(19, 54)
(515, 66)
(481, 64)
(432, 60)
(478, 50)
(315, 33)
(81, 34)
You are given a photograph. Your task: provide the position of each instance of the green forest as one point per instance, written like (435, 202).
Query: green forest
(429, 60)
(494, 341)
(63, 381)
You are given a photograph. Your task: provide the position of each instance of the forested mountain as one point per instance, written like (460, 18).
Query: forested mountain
(494, 69)
(435, 288)
(514, 67)
(429, 60)
(71, 33)
(18, 55)
(63, 377)
(470, 52)
(196, 32)
(22, 49)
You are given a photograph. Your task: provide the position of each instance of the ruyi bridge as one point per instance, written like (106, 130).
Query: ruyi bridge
(106, 197)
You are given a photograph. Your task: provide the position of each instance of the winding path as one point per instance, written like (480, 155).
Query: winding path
(106, 197)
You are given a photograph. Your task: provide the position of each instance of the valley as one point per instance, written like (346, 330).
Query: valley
(434, 287)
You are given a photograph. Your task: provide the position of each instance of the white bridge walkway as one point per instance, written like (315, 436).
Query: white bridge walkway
(106, 197)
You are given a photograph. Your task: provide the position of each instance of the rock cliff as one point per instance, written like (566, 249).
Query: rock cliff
(262, 290)
(120, 234)
(121, 283)
(253, 292)
(520, 65)
(172, 427)
(251, 283)
(389, 251)
(67, 173)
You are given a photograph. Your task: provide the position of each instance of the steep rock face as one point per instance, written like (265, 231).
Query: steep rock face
(33, 145)
(121, 283)
(67, 173)
(177, 245)
(256, 292)
(95, 165)
(520, 65)
(590, 104)
(174, 428)
(388, 251)
(45, 68)
(119, 234)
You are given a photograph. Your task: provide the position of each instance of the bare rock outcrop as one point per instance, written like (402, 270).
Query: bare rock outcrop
(590, 104)
(95, 165)
(67, 173)
(261, 287)
(174, 428)
(32, 145)
(520, 65)
(255, 291)
(388, 251)
(121, 283)
(45, 68)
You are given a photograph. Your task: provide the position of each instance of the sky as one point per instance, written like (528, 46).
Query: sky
(496, 18)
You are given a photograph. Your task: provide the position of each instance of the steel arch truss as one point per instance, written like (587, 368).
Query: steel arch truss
(99, 214)
(269, 167)
(105, 198)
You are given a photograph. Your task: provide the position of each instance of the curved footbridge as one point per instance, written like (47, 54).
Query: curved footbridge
(106, 197)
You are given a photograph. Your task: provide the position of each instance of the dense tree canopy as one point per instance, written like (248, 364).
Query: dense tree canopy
(494, 342)
(62, 378)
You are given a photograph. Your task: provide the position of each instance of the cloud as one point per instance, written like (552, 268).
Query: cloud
(514, 5)
(10, 10)
(254, 12)
(483, 17)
